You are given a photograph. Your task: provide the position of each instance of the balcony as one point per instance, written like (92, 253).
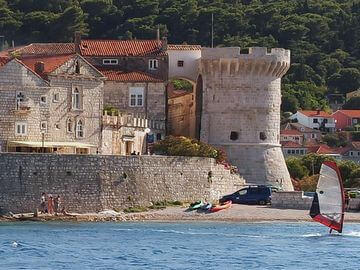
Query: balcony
(22, 108)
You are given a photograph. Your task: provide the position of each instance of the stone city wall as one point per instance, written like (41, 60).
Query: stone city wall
(90, 183)
(290, 200)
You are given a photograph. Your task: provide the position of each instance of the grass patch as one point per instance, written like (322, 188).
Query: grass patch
(136, 209)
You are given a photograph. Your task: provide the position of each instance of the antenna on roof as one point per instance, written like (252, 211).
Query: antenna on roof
(212, 30)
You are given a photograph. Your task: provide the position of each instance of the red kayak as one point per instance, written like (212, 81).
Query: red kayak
(217, 208)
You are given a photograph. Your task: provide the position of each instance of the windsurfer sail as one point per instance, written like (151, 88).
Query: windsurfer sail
(329, 201)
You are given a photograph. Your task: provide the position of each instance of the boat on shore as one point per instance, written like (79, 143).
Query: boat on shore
(219, 207)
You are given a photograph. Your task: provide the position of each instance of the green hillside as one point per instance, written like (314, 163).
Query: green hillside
(324, 36)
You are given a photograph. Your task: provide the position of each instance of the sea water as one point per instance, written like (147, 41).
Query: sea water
(205, 245)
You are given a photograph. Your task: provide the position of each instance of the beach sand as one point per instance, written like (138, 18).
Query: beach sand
(237, 213)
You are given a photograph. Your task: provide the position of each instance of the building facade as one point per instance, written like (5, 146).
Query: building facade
(50, 104)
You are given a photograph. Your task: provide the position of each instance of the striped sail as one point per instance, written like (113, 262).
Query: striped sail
(329, 202)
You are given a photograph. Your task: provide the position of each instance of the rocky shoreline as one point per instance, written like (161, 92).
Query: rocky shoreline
(237, 213)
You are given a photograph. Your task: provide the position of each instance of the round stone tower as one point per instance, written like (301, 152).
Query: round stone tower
(240, 110)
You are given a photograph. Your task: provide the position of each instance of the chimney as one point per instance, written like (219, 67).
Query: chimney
(2, 43)
(77, 41)
(164, 44)
(158, 33)
(39, 67)
(318, 111)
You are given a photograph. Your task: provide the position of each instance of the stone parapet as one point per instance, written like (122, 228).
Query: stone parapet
(88, 183)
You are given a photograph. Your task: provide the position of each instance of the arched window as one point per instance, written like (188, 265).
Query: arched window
(80, 129)
(76, 99)
(69, 125)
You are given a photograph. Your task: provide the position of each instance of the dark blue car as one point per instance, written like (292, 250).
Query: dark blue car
(250, 195)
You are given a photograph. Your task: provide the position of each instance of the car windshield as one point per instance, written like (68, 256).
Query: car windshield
(242, 192)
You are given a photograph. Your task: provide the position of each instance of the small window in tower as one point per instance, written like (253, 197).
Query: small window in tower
(234, 135)
(180, 63)
(262, 136)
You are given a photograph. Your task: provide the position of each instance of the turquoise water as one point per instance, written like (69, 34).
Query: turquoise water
(177, 246)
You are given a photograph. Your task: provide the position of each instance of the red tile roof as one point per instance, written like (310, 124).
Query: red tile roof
(50, 62)
(321, 149)
(184, 47)
(3, 61)
(45, 49)
(350, 113)
(128, 76)
(290, 144)
(316, 114)
(290, 132)
(121, 48)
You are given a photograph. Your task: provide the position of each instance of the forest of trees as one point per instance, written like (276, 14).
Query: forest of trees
(323, 36)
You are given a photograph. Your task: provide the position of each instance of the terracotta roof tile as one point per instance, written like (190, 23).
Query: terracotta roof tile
(350, 113)
(3, 61)
(316, 114)
(46, 49)
(301, 128)
(50, 62)
(321, 149)
(184, 47)
(290, 132)
(290, 144)
(121, 48)
(128, 76)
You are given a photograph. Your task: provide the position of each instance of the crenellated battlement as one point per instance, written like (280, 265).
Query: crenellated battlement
(258, 62)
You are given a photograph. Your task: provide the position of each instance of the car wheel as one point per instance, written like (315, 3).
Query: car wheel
(262, 202)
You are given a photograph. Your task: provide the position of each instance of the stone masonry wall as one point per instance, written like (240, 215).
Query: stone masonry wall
(89, 183)
(290, 200)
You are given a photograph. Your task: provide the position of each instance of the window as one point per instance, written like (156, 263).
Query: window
(43, 125)
(77, 67)
(21, 128)
(56, 97)
(285, 138)
(262, 136)
(351, 153)
(325, 121)
(136, 96)
(57, 126)
(292, 151)
(76, 99)
(43, 100)
(180, 63)
(79, 129)
(242, 191)
(313, 136)
(110, 61)
(20, 97)
(158, 136)
(355, 121)
(153, 64)
(297, 151)
(302, 152)
(289, 151)
(69, 126)
(315, 120)
(234, 136)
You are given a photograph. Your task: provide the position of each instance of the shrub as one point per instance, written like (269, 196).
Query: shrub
(111, 110)
(309, 183)
(183, 146)
(182, 85)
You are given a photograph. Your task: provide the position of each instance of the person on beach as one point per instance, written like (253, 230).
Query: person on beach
(347, 200)
(57, 204)
(50, 205)
(43, 203)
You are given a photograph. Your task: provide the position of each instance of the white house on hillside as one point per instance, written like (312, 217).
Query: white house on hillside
(316, 120)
